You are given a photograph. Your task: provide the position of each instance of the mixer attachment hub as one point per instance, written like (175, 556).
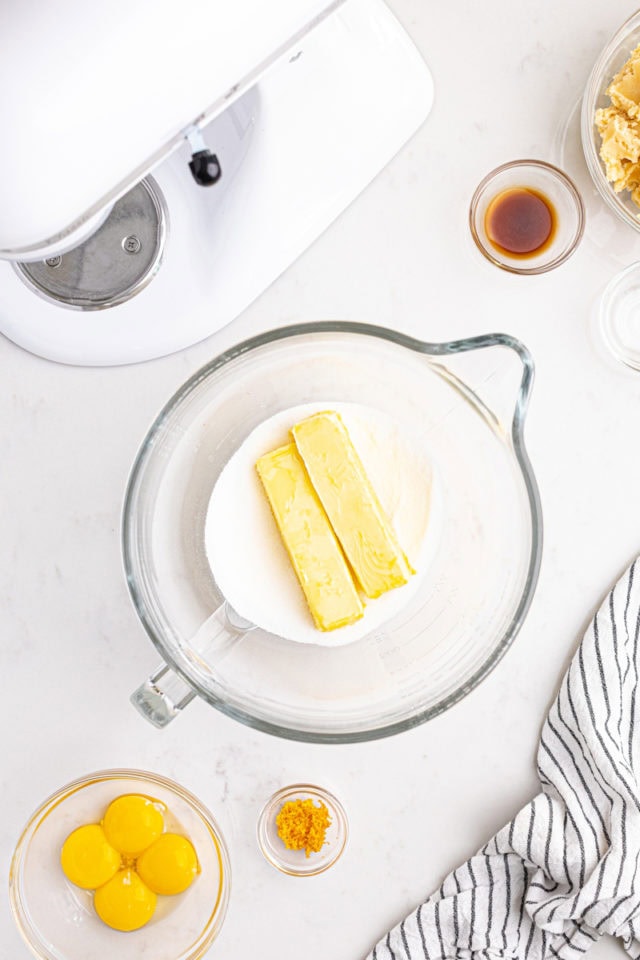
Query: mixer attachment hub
(114, 263)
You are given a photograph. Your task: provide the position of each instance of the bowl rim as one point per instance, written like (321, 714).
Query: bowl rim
(414, 344)
(280, 796)
(18, 908)
(618, 348)
(587, 125)
(572, 191)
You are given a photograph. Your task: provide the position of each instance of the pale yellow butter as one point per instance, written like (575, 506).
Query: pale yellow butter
(311, 543)
(351, 504)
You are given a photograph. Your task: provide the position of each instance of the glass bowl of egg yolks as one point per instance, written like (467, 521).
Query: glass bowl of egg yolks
(165, 897)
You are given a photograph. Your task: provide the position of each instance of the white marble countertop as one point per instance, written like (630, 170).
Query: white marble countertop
(508, 77)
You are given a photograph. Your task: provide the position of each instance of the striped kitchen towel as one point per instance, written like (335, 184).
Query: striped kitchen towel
(565, 870)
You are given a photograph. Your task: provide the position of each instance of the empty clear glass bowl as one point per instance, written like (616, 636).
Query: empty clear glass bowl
(612, 58)
(466, 400)
(57, 919)
(620, 316)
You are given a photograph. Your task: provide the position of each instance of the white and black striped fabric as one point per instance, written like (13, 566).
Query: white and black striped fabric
(566, 869)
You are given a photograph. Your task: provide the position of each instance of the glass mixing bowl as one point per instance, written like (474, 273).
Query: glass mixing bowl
(57, 919)
(612, 58)
(468, 400)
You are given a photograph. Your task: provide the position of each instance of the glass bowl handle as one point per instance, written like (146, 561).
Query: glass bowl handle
(164, 694)
(489, 377)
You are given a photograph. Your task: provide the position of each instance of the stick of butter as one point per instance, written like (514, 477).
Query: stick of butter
(312, 546)
(352, 506)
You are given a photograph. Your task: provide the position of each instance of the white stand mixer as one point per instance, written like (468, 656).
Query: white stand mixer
(289, 109)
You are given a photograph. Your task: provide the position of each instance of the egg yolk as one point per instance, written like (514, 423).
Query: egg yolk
(87, 858)
(125, 902)
(132, 823)
(169, 865)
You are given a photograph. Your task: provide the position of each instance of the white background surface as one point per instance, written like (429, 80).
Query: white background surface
(507, 75)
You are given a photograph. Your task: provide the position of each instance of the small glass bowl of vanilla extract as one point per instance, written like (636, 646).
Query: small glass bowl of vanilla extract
(526, 217)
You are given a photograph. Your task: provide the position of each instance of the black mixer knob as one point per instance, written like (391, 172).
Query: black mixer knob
(205, 168)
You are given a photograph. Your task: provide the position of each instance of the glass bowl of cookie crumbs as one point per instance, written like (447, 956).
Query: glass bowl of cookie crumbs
(302, 830)
(610, 122)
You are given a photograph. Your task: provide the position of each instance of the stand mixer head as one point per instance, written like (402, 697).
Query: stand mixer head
(257, 138)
